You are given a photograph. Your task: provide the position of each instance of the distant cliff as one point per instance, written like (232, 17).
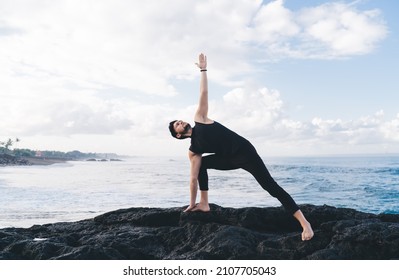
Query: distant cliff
(224, 233)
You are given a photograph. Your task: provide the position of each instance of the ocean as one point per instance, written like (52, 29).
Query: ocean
(79, 190)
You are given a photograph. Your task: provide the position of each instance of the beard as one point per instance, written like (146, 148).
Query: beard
(187, 128)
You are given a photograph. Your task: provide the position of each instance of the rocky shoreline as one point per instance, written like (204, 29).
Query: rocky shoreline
(6, 160)
(10, 160)
(223, 233)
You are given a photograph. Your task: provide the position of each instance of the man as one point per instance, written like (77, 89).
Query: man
(228, 151)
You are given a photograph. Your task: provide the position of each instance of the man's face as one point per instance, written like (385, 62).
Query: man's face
(181, 127)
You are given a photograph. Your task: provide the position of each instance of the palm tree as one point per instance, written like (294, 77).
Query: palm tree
(8, 144)
(17, 140)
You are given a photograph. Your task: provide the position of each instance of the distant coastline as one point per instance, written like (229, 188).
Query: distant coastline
(44, 161)
(10, 160)
(26, 157)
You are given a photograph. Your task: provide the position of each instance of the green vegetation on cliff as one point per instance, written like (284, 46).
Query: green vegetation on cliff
(5, 149)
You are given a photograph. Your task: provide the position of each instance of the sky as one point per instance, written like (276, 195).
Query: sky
(296, 78)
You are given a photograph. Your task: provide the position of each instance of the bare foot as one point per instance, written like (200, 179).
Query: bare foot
(307, 233)
(201, 207)
(190, 208)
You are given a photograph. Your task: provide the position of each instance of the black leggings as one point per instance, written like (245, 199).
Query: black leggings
(248, 159)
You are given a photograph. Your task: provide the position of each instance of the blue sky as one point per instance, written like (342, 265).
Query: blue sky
(294, 77)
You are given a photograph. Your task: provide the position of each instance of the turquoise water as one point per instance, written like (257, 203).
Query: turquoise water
(79, 190)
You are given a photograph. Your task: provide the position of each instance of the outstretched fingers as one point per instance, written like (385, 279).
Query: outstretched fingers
(202, 61)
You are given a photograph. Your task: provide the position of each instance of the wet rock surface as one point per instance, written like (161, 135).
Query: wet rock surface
(223, 233)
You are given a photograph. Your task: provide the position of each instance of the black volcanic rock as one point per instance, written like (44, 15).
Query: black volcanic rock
(6, 159)
(223, 233)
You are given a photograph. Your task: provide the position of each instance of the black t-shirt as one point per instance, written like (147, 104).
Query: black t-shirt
(215, 138)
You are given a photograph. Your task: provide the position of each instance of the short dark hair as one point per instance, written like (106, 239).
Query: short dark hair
(172, 129)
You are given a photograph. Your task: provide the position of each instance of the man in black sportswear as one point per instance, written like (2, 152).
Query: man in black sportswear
(228, 151)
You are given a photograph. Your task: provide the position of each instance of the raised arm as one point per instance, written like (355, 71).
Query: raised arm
(201, 114)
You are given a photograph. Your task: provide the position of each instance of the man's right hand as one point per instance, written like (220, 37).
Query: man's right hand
(202, 63)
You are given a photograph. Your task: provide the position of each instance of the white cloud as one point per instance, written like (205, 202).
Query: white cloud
(141, 45)
(58, 57)
(331, 30)
(390, 129)
(261, 116)
(341, 29)
(250, 110)
(273, 23)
